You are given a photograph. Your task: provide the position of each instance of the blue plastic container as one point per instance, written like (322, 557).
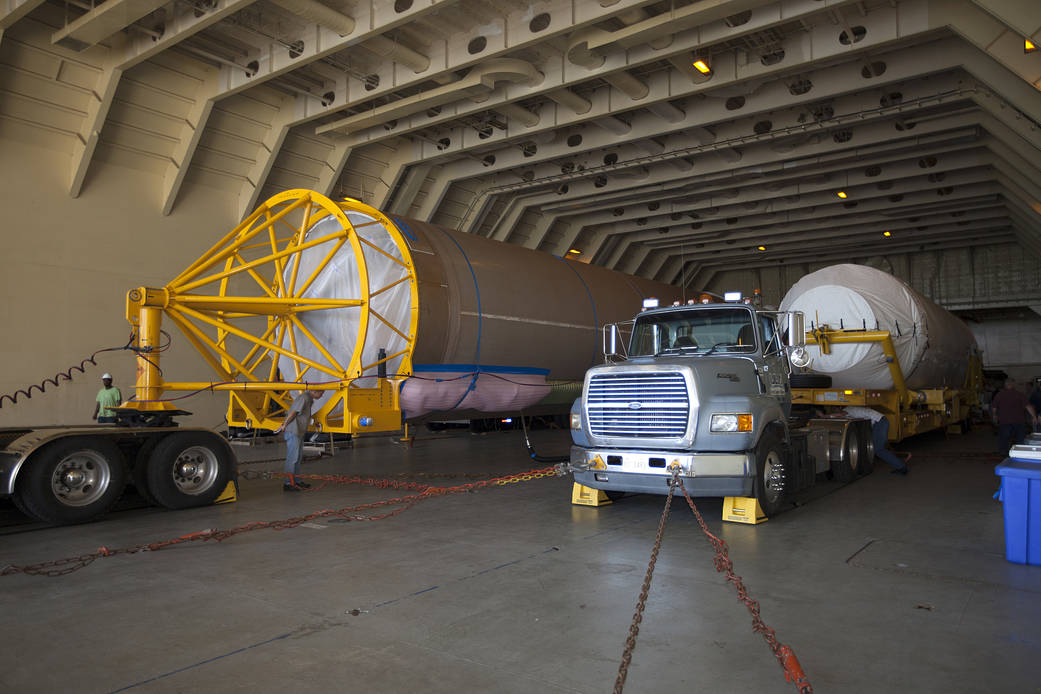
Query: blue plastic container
(1021, 495)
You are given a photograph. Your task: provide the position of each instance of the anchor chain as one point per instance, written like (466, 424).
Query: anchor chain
(785, 655)
(62, 567)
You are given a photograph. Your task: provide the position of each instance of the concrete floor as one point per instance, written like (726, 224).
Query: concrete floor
(890, 584)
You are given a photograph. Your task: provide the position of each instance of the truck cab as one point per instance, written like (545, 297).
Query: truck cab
(702, 387)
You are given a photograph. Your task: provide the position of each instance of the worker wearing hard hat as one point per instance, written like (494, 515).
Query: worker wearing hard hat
(108, 397)
(295, 429)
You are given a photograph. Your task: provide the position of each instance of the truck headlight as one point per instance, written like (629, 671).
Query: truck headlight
(576, 421)
(731, 423)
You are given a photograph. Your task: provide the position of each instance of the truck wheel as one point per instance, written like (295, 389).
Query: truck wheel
(771, 474)
(845, 469)
(867, 450)
(189, 469)
(139, 475)
(72, 480)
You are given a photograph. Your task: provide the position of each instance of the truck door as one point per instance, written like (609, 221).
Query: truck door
(776, 369)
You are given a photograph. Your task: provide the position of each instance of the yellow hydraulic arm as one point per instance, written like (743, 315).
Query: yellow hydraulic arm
(243, 306)
(824, 337)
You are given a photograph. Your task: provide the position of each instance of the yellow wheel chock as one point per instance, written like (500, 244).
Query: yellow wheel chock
(743, 509)
(586, 496)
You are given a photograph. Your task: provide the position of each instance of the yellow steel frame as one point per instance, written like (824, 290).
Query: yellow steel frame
(909, 411)
(201, 303)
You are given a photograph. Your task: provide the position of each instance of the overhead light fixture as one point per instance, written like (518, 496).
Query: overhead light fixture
(1029, 46)
(842, 194)
(702, 67)
(574, 251)
(762, 248)
(887, 234)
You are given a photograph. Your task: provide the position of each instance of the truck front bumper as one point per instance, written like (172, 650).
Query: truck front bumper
(648, 472)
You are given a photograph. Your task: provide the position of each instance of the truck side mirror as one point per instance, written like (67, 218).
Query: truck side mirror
(796, 329)
(613, 346)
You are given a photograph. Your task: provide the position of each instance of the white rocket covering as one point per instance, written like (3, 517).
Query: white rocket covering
(337, 329)
(933, 345)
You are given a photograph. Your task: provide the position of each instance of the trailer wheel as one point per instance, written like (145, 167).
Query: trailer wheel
(849, 463)
(772, 476)
(189, 469)
(139, 475)
(72, 481)
(867, 450)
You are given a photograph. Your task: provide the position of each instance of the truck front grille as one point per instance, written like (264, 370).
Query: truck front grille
(643, 404)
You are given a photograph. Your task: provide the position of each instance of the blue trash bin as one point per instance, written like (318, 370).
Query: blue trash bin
(1021, 496)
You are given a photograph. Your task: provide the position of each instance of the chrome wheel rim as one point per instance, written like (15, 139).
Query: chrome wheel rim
(195, 470)
(773, 477)
(81, 478)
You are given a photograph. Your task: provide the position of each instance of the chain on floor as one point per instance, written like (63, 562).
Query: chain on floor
(61, 567)
(785, 655)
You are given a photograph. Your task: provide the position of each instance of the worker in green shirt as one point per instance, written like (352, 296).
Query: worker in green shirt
(108, 397)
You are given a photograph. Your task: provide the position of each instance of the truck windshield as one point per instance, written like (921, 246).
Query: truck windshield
(701, 331)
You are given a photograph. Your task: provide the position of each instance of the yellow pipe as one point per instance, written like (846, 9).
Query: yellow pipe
(307, 333)
(149, 377)
(256, 263)
(239, 367)
(246, 336)
(261, 305)
(206, 261)
(188, 330)
(321, 266)
(238, 386)
(824, 337)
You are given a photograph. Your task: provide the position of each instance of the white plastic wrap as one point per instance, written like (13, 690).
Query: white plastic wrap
(338, 329)
(933, 346)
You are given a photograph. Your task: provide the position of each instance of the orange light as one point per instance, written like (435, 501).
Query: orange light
(1029, 46)
(744, 422)
(702, 67)
(762, 248)
(887, 234)
(842, 194)
(575, 251)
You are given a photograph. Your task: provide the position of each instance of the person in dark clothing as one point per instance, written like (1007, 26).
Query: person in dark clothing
(1035, 402)
(1013, 413)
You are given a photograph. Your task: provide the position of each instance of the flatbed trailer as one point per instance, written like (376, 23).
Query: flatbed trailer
(909, 411)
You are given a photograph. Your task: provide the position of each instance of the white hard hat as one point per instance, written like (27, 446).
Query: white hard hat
(106, 375)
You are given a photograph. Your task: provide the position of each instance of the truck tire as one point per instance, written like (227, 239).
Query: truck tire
(810, 381)
(73, 480)
(867, 450)
(189, 469)
(851, 451)
(772, 474)
(139, 475)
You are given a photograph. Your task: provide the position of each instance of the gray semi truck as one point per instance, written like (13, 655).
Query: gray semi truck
(707, 388)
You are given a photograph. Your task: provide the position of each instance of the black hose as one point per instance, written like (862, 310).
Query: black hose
(61, 376)
(535, 456)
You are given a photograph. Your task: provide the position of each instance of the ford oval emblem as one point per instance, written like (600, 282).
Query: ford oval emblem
(635, 405)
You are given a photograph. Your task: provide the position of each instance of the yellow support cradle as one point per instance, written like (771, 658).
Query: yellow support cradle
(243, 306)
